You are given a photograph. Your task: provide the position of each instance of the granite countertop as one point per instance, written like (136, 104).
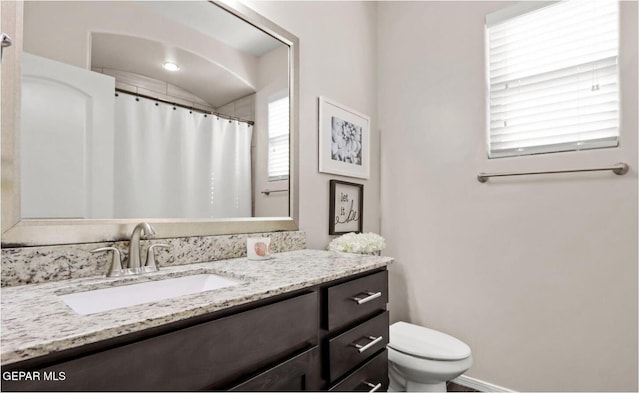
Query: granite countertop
(36, 322)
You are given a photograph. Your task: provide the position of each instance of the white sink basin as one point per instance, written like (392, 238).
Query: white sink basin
(101, 300)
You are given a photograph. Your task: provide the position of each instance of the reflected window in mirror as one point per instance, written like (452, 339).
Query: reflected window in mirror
(278, 110)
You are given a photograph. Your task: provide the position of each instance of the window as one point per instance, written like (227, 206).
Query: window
(553, 78)
(278, 112)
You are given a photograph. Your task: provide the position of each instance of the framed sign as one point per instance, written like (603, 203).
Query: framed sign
(345, 207)
(343, 146)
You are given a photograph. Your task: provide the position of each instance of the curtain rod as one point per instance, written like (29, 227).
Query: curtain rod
(219, 115)
(618, 169)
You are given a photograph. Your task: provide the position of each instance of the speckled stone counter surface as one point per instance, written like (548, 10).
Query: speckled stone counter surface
(36, 322)
(39, 264)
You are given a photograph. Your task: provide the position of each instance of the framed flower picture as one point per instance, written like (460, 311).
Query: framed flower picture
(343, 140)
(345, 207)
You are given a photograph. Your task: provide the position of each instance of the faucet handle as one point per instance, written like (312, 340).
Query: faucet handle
(150, 265)
(116, 264)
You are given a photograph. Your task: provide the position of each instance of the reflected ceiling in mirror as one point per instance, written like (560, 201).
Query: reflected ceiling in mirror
(187, 144)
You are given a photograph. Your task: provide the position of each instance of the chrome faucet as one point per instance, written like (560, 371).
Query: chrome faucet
(134, 246)
(133, 262)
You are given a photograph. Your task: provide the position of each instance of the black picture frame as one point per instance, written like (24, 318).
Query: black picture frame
(345, 207)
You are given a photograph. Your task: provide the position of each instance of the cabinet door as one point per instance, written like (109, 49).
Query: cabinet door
(67, 112)
(300, 373)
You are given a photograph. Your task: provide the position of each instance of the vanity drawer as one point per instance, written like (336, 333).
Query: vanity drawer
(210, 355)
(371, 377)
(356, 299)
(355, 346)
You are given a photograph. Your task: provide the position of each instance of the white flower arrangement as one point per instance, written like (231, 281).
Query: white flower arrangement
(363, 243)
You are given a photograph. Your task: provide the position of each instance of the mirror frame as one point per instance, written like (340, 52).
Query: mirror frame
(17, 232)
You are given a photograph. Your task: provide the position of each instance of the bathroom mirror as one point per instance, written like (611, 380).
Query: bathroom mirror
(211, 176)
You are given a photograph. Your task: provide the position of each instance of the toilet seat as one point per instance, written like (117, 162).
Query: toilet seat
(422, 342)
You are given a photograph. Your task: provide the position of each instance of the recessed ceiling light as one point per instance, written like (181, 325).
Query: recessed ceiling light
(170, 66)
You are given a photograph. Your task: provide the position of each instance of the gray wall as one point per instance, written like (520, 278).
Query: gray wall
(539, 275)
(338, 61)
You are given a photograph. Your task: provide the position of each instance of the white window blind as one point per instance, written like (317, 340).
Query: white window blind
(278, 111)
(553, 79)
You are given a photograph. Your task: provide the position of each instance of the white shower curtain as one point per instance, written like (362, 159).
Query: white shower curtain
(170, 163)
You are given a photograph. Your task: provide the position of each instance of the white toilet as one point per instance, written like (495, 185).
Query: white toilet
(422, 359)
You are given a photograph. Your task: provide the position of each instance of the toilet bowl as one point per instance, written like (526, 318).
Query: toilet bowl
(422, 359)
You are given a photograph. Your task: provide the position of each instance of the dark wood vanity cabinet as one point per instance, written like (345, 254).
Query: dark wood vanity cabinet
(356, 327)
(302, 341)
(210, 355)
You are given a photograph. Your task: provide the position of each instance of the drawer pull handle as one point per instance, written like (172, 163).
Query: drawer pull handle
(364, 348)
(374, 387)
(370, 297)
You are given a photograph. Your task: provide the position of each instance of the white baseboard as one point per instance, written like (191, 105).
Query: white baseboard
(480, 385)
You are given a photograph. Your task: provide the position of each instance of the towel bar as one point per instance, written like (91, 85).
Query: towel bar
(618, 169)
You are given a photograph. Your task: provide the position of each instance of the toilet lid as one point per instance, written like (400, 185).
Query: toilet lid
(424, 342)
